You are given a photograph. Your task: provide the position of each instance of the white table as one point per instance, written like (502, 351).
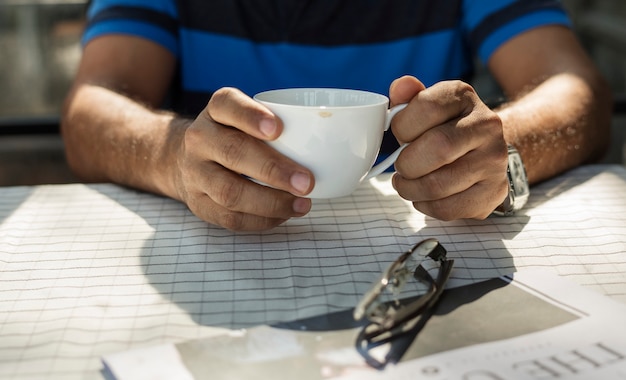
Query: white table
(89, 270)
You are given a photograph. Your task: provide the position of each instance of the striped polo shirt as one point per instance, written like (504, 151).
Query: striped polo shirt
(256, 45)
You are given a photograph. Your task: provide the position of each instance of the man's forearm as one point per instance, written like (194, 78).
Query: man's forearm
(562, 123)
(110, 138)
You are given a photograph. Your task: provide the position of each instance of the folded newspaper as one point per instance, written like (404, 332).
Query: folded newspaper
(532, 325)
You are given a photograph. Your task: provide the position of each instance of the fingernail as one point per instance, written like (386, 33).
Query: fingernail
(301, 206)
(268, 127)
(300, 182)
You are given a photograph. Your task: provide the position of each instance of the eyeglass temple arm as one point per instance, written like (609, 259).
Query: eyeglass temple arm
(407, 318)
(435, 289)
(399, 316)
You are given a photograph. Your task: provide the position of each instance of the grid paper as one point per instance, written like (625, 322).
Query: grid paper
(88, 270)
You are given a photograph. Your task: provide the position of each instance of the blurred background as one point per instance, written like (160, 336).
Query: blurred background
(40, 49)
(39, 53)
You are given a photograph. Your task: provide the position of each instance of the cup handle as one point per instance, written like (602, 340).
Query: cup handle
(387, 162)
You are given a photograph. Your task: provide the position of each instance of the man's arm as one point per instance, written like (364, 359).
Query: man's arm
(454, 166)
(109, 126)
(113, 132)
(559, 116)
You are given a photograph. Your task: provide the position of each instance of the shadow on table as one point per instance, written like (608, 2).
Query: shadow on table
(493, 309)
(302, 269)
(483, 312)
(309, 266)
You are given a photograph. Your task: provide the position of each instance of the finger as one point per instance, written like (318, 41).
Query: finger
(403, 89)
(434, 106)
(434, 149)
(207, 141)
(237, 221)
(481, 131)
(238, 193)
(237, 203)
(453, 178)
(477, 202)
(230, 106)
(246, 155)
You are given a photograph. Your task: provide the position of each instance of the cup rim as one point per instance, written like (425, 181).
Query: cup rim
(382, 98)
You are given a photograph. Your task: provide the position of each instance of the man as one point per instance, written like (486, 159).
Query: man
(141, 56)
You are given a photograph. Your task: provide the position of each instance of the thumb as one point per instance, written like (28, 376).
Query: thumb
(403, 89)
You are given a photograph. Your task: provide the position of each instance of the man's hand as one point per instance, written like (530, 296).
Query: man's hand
(221, 148)
(455, 164)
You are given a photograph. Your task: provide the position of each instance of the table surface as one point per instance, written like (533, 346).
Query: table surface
(89, 270)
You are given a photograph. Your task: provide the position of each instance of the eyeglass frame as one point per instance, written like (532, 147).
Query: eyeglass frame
(390, 319)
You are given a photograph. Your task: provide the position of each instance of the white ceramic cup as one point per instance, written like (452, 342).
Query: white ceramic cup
(335, 133)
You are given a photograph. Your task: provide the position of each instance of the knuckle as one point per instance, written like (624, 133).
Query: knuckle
(220, 97)
(492, 123)
(485, 120)
(193, 138)
(221, 101)
(270, 169)
(431, 102)
(277, 209)
(228, 194)
(440, 138)
(231, 148)
(467, 97)
(464, 90)
(493, 120)
(193, 135)
(402, 167)
(434, 186)
(231, 220)
(445, 213)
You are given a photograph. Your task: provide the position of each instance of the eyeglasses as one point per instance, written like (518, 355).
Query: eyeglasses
(389, 320)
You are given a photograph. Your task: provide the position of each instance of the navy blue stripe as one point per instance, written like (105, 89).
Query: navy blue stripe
(496, 20)
(149, 16)
(320, 22)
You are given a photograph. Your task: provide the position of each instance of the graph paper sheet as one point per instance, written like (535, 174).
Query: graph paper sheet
(88, 270)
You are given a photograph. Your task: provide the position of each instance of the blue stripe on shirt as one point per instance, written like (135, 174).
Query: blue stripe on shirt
(518, 26)
(133, 28)
(256, 67)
